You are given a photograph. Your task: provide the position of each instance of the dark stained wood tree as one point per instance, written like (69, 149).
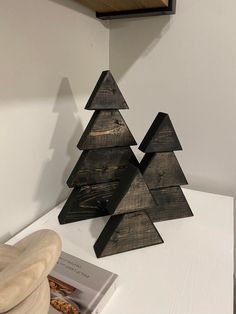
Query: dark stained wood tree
(162, 172)
(106, 154)
(129, 227)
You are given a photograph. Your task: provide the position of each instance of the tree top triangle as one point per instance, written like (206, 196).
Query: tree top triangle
(131, 195)
(161, 137)
(106, 94)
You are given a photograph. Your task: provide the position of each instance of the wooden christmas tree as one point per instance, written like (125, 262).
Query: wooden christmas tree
(106, 154)
(162, 172)
(129, 227)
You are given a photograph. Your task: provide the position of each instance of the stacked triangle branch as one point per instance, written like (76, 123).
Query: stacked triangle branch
(129, 227)
(162, 172)
(106, 154)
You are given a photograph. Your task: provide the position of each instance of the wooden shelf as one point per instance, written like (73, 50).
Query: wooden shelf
(114, 9)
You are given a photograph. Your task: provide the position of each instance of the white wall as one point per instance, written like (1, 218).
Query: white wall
(184, 65)
(51, 54)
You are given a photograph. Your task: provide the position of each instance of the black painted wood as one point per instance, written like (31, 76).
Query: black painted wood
(106, 154)
(170, 204)
(161, 137)
(131, 195)
(101, 165)
(106, 94)
(126, 232)
(106, 128)
(87, 202)
(171, 9)
(162, 170)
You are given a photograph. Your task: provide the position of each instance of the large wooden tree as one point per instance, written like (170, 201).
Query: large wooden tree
(106, 154)
(129, 227)
(162, 172)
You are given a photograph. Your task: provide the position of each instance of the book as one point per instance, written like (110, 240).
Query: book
(79, 287)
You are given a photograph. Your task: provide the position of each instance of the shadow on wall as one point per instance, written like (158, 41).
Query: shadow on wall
(5, 237)
(74, 5)
(126, 49)
(56, 170)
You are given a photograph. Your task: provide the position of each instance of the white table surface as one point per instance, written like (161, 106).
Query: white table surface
(191, 273)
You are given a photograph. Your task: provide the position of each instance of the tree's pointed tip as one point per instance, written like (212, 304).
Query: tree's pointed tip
(106, 94)
(161, 136)
(132, 186)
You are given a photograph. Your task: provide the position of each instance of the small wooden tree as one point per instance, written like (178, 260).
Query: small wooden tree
(106, 154)
(129, 227)
(162, 172)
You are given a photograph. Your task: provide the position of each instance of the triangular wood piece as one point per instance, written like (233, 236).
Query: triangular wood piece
(87, 202)
(170, 204)
(126, 232)
(162, 170)
(106, 128)
(131, 195)
(101, 165)
(161, 137)
(106, 94)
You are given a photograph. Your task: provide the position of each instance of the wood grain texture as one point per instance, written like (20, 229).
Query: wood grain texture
(87, 202)
(170, 204)
(161, 137)
(131, 195)
(8, 254)
(162, 170)
(106, 128)
(126, 232)
(106, 94)
(39, 253)
(122, 5)
(36, 303)
(144, 4)
(101, 165)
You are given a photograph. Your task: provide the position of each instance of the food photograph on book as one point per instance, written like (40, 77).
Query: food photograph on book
(79, 287)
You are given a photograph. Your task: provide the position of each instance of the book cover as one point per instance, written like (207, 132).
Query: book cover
(79, 287)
